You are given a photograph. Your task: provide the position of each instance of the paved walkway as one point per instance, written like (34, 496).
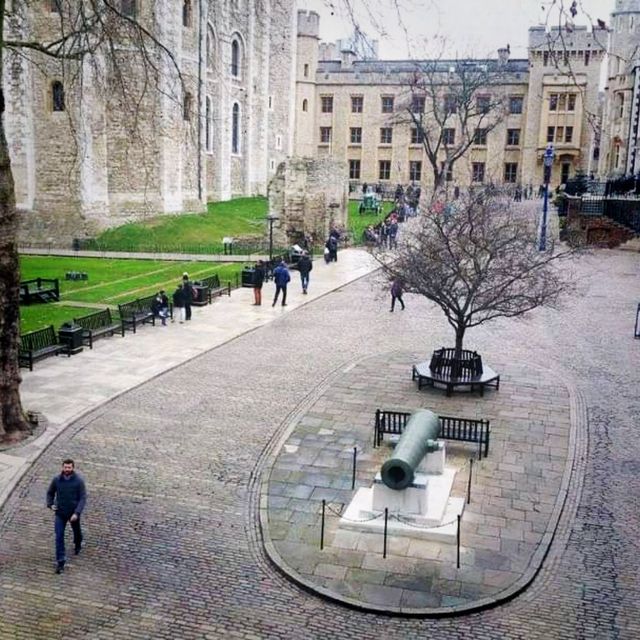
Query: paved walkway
(175, 469)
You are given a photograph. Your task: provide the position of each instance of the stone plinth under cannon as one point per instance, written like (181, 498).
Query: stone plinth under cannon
(414, 485)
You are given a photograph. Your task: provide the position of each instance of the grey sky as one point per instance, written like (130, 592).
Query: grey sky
(447, 27)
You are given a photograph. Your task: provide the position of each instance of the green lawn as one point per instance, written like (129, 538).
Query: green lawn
(358, 223)
(110, 282)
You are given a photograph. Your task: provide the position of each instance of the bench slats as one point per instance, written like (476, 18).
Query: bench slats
(39, 344)
(96, 325)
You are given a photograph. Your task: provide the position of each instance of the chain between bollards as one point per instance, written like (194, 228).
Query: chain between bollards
(469, 483)
(324, 503)
(384, 543)
(353, 471)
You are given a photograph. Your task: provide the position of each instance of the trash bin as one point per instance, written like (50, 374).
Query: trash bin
(200, 295)
(70, 336)
(247, 276)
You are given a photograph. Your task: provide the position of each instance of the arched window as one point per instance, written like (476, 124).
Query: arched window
(235, 129)
(207, 124)
(187, 106)
(187, 13)
(235, 58)
(128, 8)
(620, 105)
(57, 96)
(211, 47)
(305, 105)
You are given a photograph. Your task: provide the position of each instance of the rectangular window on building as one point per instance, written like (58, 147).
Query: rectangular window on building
(355, 136)
(510, 171)
(559, 134)
(515, 104)
(568, 134)
(551, 134)
(564, 175)
(306, 70)
(448, 136)
(449, 176)
(326, 104)
(553, 102)
(450, 104)
(356, 104)
(354, 169)
(416, 136)
(480, 137)
(384, 171)
(387, 104)
(513, 137)
(562, 102)
(386, 135)
(571, 102)
(325, 135)
(545, 58)
(415, 170)
(587, 57)
(483, 104)
(477, 169)
(417, 104)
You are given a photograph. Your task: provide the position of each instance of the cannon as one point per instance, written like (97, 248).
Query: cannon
(418, 439)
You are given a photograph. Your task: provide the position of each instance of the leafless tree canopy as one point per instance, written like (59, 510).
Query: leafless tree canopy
(478, 260)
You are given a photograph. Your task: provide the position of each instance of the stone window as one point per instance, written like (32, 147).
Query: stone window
(559, 134)
(417, 136)
(279, 143)
(187, 106)
(417, 104)
(211, 47)
(449, 104)
(587, 56)
(384, 170)
(449, 175)
(477, 171)
(619, 105)
(571, 102)
(128, 8)
(57, 96)
(270, 102)
(515, 104)
(354, 169)
(480, 137)
(568, 134)
(207, 124)
(483, 104)
(565, 167)
(187, 13)
(415, 170)
(513, 137)
(448, 136)
(562, 102)
(305, 105)
(235, 129)
(326, 104)
(510, 171)
(551, 134)
(357, 103)
(306, 70)
(545, 59)
(387, 104)
(235, 58)
(616, 156)
(355, 136)
(325, 135)
(386, 135)
(553, 102)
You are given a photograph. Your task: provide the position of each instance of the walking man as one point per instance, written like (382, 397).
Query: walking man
(281, 277)
(258, 281)
(67, 496)
(304, 267)
(187, 294)
(396, 293)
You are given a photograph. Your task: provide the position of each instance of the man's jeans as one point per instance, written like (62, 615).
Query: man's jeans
(280, 288)
(304, 278)
(60, 524)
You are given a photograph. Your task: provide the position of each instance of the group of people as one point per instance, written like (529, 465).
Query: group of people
(182, 300)
(281, 278)
(385, 233)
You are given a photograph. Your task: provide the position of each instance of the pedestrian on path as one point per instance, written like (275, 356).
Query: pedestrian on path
(304, 267)
(160, 307)
(396, 293)
(281, 278)
(188, 295)
(178, 302)
(67, 497)
(258, 280)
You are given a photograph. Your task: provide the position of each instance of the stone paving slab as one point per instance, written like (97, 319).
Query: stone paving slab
(514, 491)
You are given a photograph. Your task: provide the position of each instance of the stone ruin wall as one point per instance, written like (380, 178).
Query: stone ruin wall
(308, 195)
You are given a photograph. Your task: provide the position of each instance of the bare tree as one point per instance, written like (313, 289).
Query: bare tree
(478, 260)
(107, 45)
(451, 105)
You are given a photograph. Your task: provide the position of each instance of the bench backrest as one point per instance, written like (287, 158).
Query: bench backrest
(95, 320)
(40, 339)
(40, 283)
(467, 365)
(394, 422)
(213, 282)
(141, 305)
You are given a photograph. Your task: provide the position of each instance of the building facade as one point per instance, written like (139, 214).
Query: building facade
(352, 109)
(79, 163)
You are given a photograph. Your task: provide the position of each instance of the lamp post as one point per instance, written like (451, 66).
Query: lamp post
(548, 163)
(271, 219)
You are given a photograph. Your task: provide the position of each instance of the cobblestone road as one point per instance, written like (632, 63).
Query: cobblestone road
(173, 469)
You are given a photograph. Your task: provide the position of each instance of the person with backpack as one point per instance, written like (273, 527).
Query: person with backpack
(304, 267)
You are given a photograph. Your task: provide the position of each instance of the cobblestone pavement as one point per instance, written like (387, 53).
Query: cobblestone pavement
(173, 469)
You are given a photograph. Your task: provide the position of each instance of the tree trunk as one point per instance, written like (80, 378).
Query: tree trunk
(460, 329)
(13, 424)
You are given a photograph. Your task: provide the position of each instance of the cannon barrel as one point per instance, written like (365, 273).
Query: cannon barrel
(418, 438)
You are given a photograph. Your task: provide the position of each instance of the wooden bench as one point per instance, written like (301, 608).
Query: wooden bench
(135, 313)
(39, 290)
(446, 370)
(459, 429)
(214, 286)
(98, 324)
(37, 345)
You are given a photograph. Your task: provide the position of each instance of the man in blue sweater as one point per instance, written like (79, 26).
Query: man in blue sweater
(67, 496)
(281, 277)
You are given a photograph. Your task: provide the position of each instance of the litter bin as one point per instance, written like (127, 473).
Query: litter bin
(247, 276)
(70, 336)
(200, 295)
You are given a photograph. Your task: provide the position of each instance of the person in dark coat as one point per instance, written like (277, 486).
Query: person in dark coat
(304, 267)
(178, 302)
(258, 281)
(160, 307)
(188, 295)
(332, 245)
(281, 278)
(67, 496)
(397, 287)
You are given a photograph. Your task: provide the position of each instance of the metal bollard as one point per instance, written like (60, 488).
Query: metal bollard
(324, 503)
(469, 483)
(384, 543)
(353, 471)
(458, 544)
